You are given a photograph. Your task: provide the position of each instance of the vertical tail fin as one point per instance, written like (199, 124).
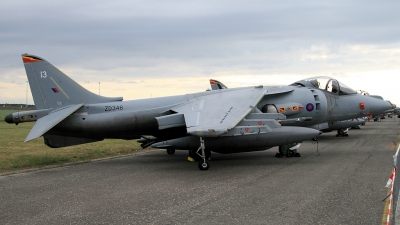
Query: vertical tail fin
(216, 85)
(51, 88)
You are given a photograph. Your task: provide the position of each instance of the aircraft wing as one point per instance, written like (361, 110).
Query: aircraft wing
(215, 114)
(45, 123)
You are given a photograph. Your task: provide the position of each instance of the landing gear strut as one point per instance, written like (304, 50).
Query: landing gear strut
(195, 157)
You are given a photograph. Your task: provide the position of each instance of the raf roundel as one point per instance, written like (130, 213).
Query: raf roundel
(310, 107)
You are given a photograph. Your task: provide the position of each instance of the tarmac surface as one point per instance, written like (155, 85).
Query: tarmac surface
(343, 182)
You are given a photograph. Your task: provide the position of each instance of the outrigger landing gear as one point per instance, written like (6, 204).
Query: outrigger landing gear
(203, 163)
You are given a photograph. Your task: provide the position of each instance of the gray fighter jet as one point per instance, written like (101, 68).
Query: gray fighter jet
(226, 121)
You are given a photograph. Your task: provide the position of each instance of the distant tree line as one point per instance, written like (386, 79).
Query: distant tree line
(17, 106)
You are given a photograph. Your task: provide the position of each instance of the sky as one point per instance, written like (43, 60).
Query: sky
(153, 48)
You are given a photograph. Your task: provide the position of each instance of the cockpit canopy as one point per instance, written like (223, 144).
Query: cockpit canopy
(361, 92)
(327, 84)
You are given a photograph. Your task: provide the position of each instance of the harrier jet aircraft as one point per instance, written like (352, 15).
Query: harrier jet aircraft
(227, 121)
(224, 121)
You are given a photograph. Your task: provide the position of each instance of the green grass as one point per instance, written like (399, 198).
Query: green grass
(15, 154)
(4, 113)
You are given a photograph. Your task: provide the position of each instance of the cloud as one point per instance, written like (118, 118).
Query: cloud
(129, 41)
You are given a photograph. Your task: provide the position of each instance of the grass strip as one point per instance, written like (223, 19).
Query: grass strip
(15, 154)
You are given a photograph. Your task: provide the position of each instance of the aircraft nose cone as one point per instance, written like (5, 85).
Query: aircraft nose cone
(377, 106)
(8, 118)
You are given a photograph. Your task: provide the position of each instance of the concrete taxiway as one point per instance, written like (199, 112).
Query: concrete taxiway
(343, 182)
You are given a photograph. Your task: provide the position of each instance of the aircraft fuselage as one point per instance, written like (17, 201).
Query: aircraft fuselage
(131, 119)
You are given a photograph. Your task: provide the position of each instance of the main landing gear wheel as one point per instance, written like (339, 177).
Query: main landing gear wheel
(170, 151)
(314, 139)
(342, 133)
(288, 150)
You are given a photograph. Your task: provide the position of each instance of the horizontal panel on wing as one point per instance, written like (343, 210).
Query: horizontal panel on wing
(215, 114)
(170, 121)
